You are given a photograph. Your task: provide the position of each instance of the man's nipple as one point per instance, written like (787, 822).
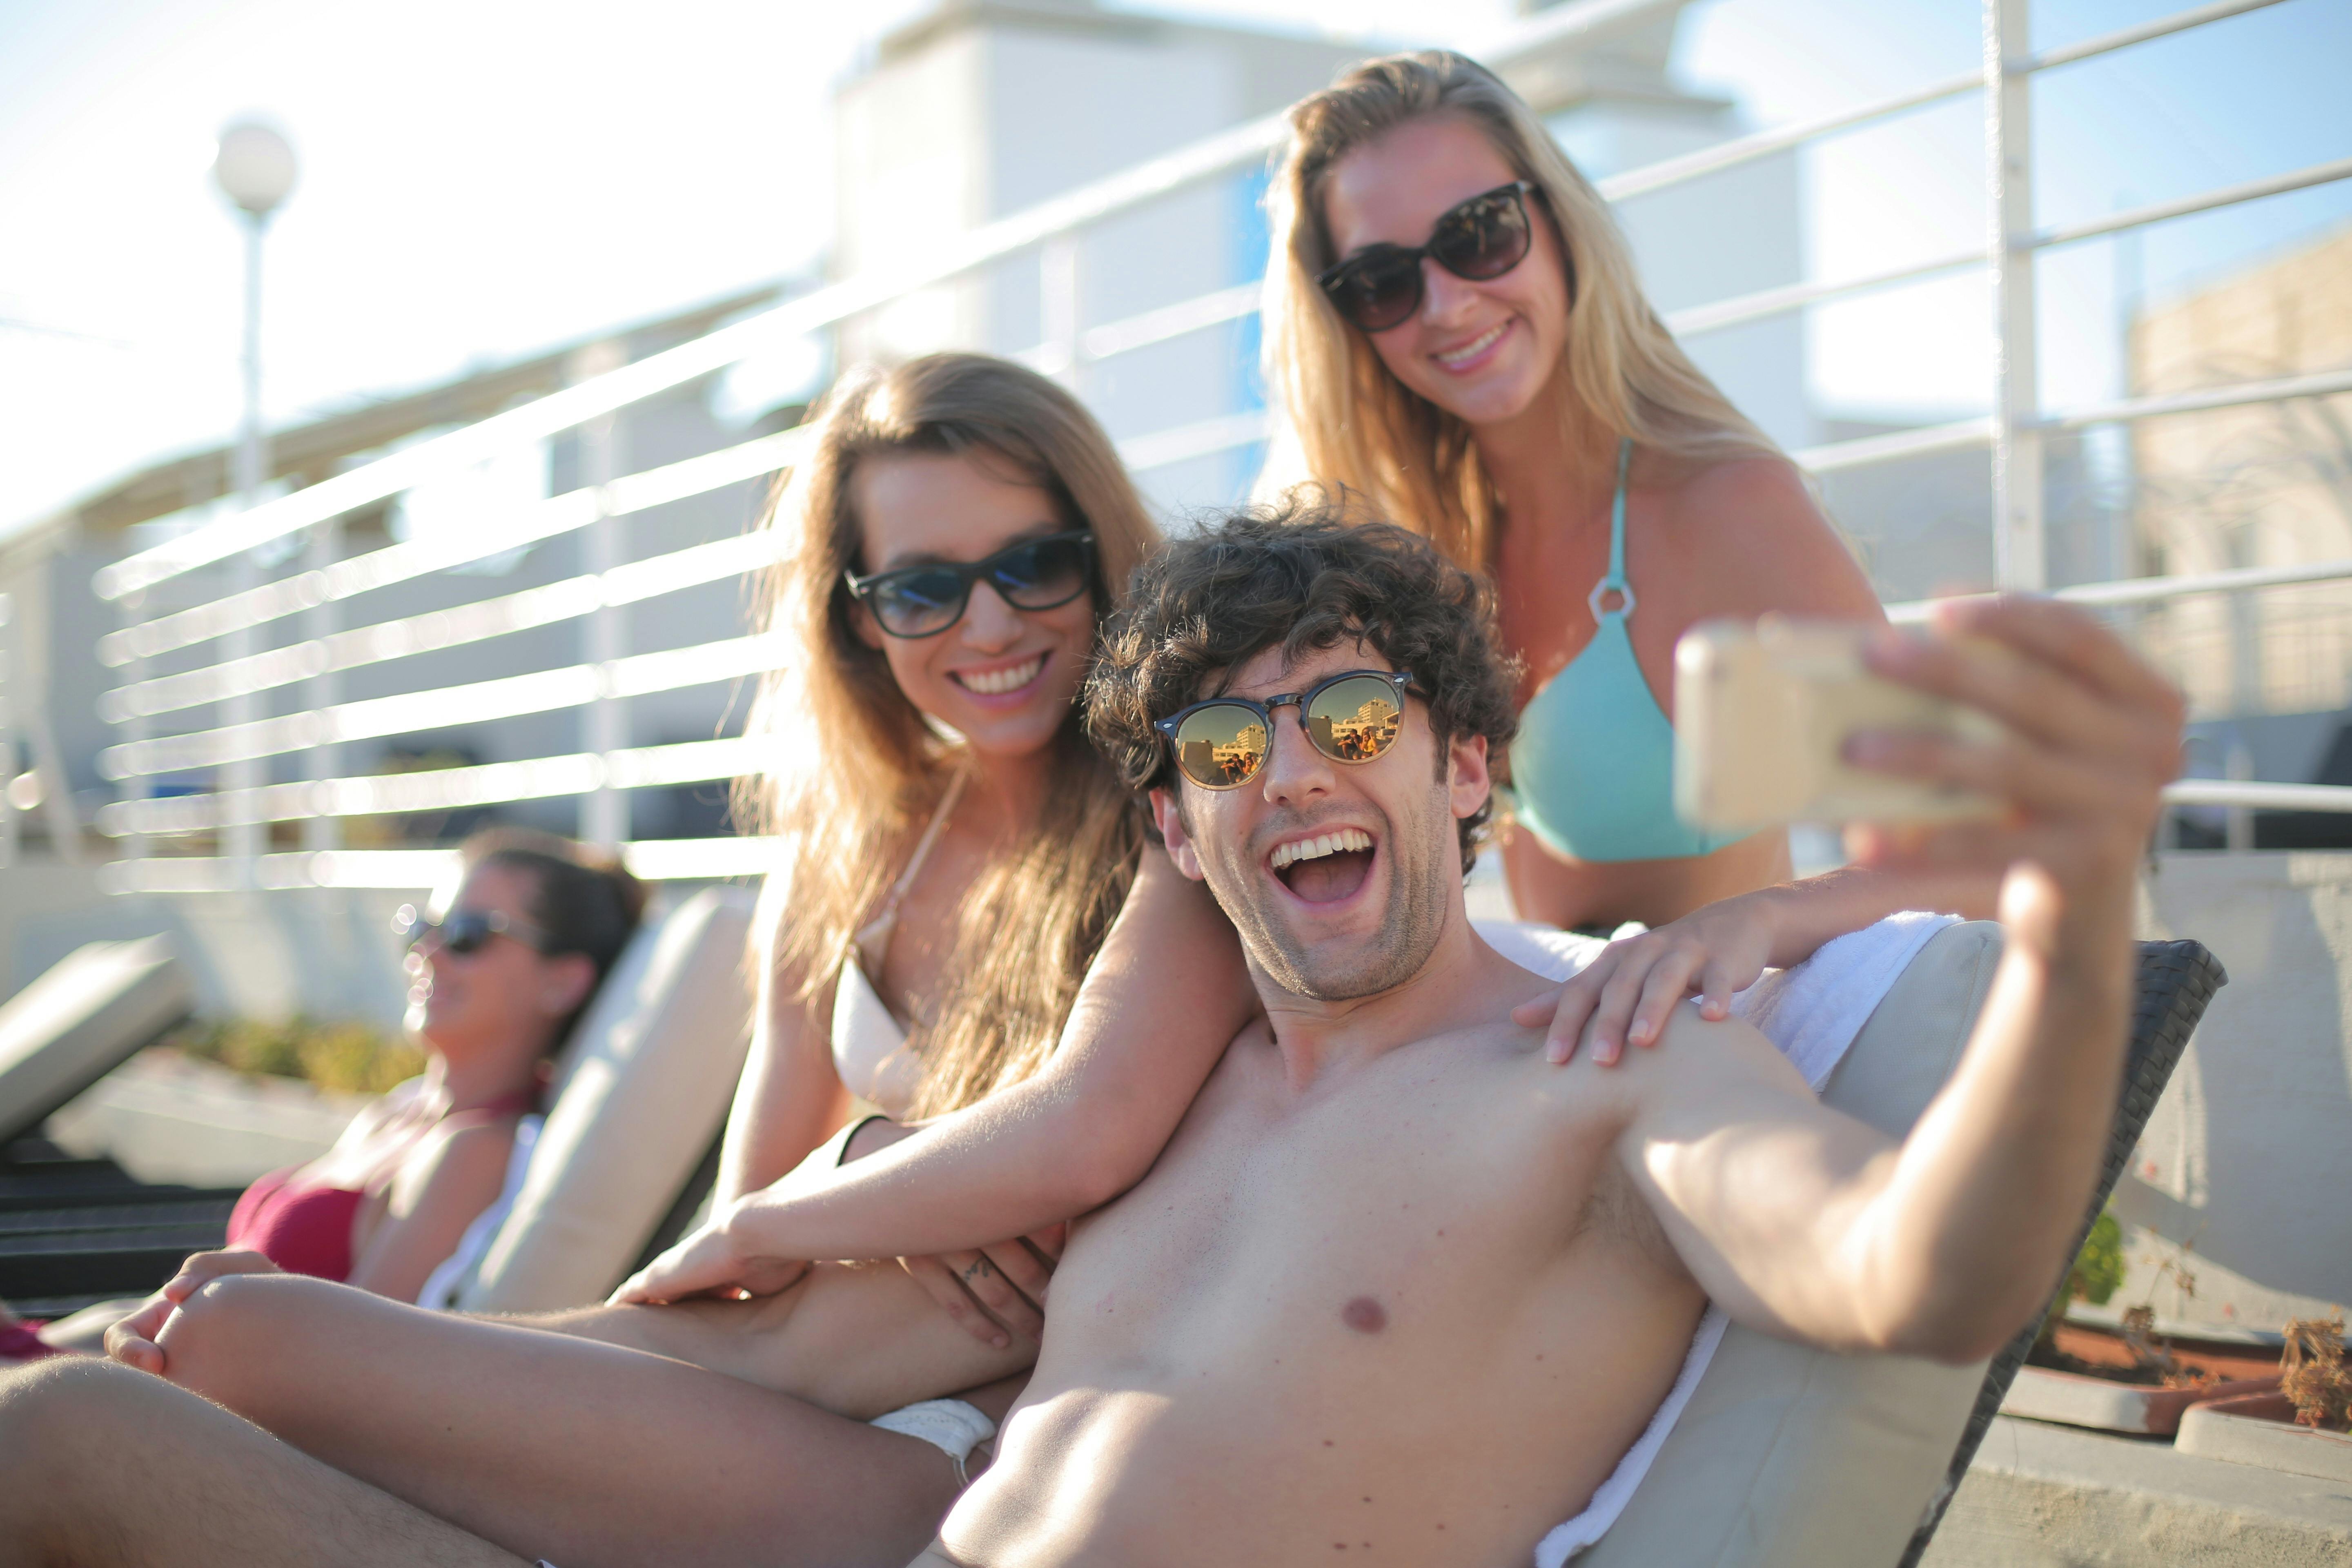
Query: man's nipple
(1364, 1315)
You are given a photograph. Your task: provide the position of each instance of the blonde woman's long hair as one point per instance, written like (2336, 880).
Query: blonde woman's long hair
(855, 767)
(1358, 426)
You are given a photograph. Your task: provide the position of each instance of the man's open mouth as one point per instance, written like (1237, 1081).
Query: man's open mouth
(1326, 869)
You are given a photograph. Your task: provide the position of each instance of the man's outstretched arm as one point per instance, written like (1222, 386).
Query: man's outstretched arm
(1804, 1221)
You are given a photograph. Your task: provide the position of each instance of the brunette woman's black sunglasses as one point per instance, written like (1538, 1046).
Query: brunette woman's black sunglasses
(924, 600)
(1380, 286)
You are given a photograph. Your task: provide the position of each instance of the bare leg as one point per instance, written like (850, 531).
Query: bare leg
(110, 1466)
(584, 1452)
(856, 1340)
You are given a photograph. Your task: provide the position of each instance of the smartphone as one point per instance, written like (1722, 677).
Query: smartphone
(1761, 715)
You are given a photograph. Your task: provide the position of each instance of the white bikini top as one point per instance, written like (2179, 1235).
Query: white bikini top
(870, 1046)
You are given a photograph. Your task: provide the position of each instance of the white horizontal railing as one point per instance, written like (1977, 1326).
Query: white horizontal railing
(446, 707)
(402, 562)
(2160, 590)
(653, 859)
(439, 789)
(328, 652)
(2204, 201)
(2246, 795)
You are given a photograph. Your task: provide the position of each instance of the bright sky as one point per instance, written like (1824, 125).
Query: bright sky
(482, 178)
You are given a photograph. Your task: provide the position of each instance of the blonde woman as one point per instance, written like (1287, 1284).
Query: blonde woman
(1455, 326)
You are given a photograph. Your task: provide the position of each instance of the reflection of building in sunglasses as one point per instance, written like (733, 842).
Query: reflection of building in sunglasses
(1345, 733)
(1359, 738)
(1233, 761)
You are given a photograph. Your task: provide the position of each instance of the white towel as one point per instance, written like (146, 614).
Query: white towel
(452, 1274)
(1811, 1012)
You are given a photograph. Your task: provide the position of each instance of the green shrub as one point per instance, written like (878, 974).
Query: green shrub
(2097, 1272)
(343, 1056)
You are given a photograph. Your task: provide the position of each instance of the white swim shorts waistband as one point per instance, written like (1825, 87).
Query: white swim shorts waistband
(950, 1426)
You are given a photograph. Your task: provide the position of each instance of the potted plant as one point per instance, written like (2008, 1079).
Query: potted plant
(2303, 1426)
(2128, 1378)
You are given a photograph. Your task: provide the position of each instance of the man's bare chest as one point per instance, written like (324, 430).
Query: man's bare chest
(1429, 1191)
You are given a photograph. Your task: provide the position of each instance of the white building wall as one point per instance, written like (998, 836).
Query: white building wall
(1008, 105)
(1712, 239)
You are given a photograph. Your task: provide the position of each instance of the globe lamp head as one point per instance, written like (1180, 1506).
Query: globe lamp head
(254, 167)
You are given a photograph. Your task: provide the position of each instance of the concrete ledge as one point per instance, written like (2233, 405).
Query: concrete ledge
(2255, 1431)
(2042, 1496)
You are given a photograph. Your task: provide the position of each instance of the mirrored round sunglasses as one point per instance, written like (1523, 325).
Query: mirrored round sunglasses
(1351, 717)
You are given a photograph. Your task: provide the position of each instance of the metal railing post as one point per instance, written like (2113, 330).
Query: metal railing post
(2238, 822)
(2020, 558)
(10, 677)
(604, 728)
(243, 842)
(322, 829)
(1058, 267)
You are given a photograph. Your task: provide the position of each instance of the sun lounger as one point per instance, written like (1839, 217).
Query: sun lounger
(75, 1231)
(1789, 1456)
(630, 1145)
(94, 1011)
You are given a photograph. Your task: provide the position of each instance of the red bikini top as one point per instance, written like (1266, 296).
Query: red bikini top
(308, 1230)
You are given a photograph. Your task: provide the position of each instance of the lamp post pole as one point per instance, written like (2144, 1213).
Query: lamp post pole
(254, 168)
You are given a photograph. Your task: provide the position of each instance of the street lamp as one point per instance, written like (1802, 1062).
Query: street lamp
(254, 167)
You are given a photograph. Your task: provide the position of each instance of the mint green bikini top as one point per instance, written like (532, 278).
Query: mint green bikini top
(1593, 766)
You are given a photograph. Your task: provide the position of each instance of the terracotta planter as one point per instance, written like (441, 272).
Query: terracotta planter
(2079, 1400)
(2108, 1405)
(2259, 1429)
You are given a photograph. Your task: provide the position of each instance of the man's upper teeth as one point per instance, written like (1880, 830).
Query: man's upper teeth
(1315, 848)
(995, 680)
(1467, 349)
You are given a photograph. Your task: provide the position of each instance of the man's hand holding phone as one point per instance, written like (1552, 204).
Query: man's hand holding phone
(2091, 735)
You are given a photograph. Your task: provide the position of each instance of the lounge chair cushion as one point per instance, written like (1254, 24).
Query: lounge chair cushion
(1788, 1455)
(90, 1014)
(642, 1085)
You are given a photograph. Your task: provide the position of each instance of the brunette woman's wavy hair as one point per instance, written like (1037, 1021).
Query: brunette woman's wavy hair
(1357, 425)
(855, 767)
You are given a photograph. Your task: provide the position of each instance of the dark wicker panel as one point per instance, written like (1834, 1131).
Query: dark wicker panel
(2176, 981)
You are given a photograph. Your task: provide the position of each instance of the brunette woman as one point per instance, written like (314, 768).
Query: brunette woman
(960, 860)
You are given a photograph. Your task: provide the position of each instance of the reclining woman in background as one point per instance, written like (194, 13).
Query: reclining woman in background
(1458, 333)
(498, 982)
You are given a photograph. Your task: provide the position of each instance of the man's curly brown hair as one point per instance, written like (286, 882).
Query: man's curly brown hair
(1305, 575)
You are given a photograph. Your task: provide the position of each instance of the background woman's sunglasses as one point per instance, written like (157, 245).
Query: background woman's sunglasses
(466, 931)
(1380, 286)
(924, 600)
(1353, 717)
